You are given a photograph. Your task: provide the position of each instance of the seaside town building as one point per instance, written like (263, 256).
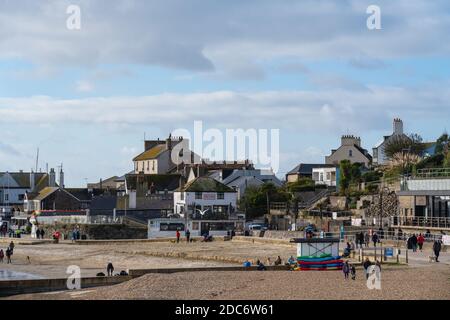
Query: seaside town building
(304, 170)
(379, 156)
(350, 150)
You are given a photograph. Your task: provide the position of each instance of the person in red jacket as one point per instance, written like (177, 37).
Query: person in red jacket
(420, 241)
(178, 236)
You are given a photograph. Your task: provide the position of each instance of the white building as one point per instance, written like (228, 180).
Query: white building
(379, 156)
(240, 179)
(206, 197)
(15, 185)
(326, 176)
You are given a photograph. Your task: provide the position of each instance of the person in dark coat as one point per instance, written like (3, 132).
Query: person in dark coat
(414, 243)
(110, 269)
(366, 266)
(437, 249)
(375, 239)
(361, 239)
(188, 236)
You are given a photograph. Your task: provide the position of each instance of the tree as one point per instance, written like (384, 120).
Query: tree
(412, 144)
(350, 173)
(254, 201)
(442, 144)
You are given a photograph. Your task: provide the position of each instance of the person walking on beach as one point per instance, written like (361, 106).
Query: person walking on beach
(346, 270)
(110, 269)
(420, 241)
(11, 247)
(188, 236)
(2, 255)
(375, 239)
(361, 239)
(366, 266)
(178, 234)
(437, 249)
(8, 256)
(367, 239)
(414, 243)
(353, 271)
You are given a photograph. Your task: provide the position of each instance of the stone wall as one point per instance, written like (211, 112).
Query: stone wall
(98, 231)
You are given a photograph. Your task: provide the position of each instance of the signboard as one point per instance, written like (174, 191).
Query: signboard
(334, 215)
(421, 201)
(209, 196)
(446, 240)
(356, 222)
(389, 252)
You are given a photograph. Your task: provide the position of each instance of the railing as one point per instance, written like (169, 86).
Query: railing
(420, 222)
(104, 220)
(433, 173)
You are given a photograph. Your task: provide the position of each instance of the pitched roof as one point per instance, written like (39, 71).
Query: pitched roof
(306, 168)
(23, 179)
(44, 193)
(151, 153)
(160, 182)
(205, 184)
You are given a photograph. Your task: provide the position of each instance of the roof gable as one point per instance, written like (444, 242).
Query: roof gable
(205, 184)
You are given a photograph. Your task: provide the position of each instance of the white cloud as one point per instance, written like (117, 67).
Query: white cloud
(304, 111)
(233, 37)
(84, 86)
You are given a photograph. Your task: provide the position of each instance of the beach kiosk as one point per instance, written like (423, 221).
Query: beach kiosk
(318, 254)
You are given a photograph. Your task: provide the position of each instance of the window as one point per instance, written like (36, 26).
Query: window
(321, 176)
(6, 197)
(171, 226)
(328, 176)
(148, 165)
(220, 195)
(198, 195)
(21, 197)
(350, 153)
(182, 196)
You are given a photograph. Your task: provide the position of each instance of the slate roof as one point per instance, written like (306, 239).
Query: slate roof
(23, 179)
(152, 153)
(205, 184)
(160, 182)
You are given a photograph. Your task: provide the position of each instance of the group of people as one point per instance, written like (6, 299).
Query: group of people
(364, 239)
(416, 242)
(8, 253)
(40, 233)
(278, 262)
(348, 269)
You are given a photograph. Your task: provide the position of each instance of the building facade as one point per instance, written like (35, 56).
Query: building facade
(379, 155)
(350, 150)
(205, 197)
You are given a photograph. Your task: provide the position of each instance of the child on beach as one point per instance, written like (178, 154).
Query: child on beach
(353, 271)
(346, 270)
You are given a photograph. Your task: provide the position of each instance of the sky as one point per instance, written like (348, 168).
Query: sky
(310, 68)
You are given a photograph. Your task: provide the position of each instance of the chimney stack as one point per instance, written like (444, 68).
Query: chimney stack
(32, 181)
(61, 177)
(52, 178)
(398, 126)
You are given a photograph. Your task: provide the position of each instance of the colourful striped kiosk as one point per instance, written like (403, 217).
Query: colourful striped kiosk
(318, 254)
